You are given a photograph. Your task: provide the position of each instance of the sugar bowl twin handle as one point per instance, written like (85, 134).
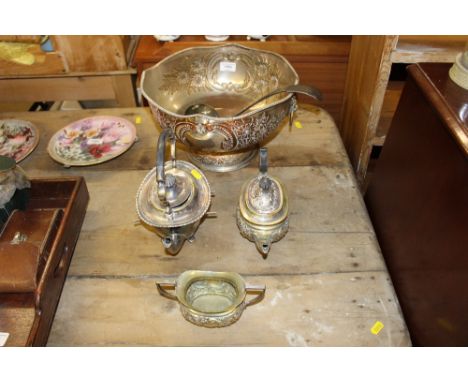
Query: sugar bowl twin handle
(249, 289)
(164, 182)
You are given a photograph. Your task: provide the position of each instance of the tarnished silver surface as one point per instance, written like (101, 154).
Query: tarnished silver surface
(228, 78)
(262, 215)
(18, 238)
(173, 197)
(211, 299)
(223, 162)
(153, 213)
(459, 71)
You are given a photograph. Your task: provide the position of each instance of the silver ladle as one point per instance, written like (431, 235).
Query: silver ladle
(201, 108)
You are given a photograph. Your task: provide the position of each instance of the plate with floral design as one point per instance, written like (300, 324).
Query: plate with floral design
(18, 138)
(92, 140)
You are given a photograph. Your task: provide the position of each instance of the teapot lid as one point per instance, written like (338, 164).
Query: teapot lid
(174, 193)
(263, 199)
(188, 196)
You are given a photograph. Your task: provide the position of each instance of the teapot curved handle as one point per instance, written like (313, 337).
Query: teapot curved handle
(160, 162)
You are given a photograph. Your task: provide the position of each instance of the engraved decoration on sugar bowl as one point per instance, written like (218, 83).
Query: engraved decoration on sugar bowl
(228, 78)
(211, 299)
(263, 211)
(174, 197)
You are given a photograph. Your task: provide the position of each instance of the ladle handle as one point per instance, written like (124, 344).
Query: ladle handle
(160, 162)
(259, 290)
(162, 290)
(296, 89)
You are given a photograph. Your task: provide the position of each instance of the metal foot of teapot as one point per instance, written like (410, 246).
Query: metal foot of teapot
(262, 215)
(173, 198)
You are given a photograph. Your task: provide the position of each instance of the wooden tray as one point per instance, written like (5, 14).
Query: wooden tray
(27, 317)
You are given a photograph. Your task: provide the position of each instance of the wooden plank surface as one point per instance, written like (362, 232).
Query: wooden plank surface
(302, 310)
(44, 64)
(326, 281)
(312, 145)
(79, 87)
(333, 235)
(414, 49)
(91, 53)
(32, 59)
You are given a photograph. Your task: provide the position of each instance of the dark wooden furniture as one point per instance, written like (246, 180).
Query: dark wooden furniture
(418, 202)
(371, 95)
(27, 317)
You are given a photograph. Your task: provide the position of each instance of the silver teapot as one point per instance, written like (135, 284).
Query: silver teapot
(262, 215)
(173, 197)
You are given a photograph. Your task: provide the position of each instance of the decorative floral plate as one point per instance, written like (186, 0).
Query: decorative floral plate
(92, 140)
(17, 138)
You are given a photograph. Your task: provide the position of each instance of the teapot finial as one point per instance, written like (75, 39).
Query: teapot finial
(262, 215)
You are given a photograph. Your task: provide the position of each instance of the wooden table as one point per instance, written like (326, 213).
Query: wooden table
(326, 281)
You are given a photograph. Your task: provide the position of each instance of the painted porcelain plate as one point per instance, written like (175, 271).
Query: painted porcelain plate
(18, 138)
(92, 140)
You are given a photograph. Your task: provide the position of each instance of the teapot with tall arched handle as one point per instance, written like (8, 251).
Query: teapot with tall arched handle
(173, 197)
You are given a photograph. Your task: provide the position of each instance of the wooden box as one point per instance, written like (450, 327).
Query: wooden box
(27, 317)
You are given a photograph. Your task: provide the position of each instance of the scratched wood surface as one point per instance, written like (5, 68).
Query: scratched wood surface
(316, 144)
(326, 280)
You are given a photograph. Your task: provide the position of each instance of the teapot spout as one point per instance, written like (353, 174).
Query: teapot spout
(173, 243)
(263, 246)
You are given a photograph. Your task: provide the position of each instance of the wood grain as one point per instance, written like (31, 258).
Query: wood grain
(369, 106)
(91, 53)
(69, 87)
(334, 233)
(390, 103)
(297, 48)
(34, 39)
(326, 281)
(17, 315)
(314, 144)
(367, 79)
(44, 63)
(312, 310)
(413, 49)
